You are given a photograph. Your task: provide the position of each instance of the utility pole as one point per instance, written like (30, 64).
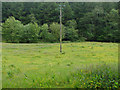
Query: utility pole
(60, 30)
(60, 5)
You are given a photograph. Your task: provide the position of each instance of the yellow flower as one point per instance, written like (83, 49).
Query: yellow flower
(81, 70)
(57, 83)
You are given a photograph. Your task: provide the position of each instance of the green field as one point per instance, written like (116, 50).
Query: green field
(84, 64)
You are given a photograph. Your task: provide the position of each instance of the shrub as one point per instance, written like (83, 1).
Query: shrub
(101, 77)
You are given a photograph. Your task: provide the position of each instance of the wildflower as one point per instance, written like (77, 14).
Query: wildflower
(57, 83)
(81, 70)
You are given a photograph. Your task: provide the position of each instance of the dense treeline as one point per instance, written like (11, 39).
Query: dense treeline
(35, 22)
(14, 31)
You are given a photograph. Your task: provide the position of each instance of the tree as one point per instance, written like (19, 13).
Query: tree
(29, 33)
(112, 29)
(92, 24)
(96, 21)
(55, 31)
(32, 18)
(67, 13)
(11, 30)
(71, 24)
(44, 35)
(71, 33)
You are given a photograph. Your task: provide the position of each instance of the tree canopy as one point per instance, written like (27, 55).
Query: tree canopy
(39, 21)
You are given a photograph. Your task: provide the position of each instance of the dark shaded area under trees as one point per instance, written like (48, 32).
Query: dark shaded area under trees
(28, 22)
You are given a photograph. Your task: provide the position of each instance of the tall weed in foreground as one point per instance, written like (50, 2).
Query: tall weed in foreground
(103, 76)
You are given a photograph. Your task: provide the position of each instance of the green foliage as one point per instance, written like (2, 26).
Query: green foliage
(45, 35)
(71, 24)
(29, 33)
(44, 32)
(32, 18)
(110, 31)
(68, 13)
(93, 21)
(11, 30)
(99, 25)
(101, 77)
(71, 34)
(15, 32)
(55, 31)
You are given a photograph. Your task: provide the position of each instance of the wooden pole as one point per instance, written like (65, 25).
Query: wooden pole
(60, 30)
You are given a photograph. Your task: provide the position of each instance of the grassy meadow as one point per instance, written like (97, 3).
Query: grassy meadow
(81, 65)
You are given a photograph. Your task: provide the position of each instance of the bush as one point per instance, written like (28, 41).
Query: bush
(101, 77)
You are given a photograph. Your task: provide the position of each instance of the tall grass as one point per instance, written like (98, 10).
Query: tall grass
(83, 65)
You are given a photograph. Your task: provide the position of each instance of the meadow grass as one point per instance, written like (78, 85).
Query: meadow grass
(81, 65)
